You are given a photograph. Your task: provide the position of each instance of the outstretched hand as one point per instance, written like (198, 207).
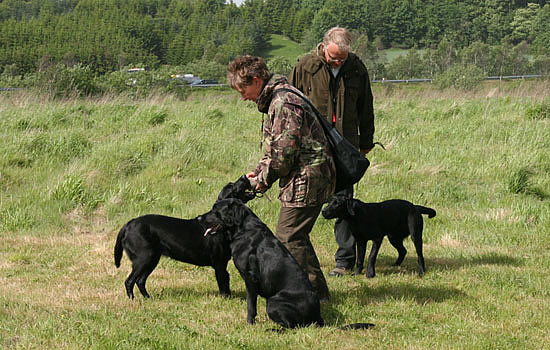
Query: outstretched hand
(254, 184)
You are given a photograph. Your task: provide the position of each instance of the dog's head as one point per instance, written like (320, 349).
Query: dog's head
(226, 215)
(239, 189)
(340, 207)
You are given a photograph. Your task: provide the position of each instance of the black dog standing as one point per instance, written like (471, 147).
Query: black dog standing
(146, 238)
(395, 218)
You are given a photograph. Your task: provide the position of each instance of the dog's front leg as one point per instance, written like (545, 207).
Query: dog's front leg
(251, 303)
(361, 246)
(372, 257)
(222, 277)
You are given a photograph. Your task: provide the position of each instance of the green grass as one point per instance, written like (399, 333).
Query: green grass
(392, 54)
(284, 47)
(73, 172)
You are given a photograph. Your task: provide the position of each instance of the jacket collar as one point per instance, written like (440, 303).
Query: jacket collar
(264, 100)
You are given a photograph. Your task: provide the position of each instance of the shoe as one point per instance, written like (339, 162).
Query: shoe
(339, 271)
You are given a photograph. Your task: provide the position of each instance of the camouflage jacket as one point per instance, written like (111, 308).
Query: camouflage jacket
(296, 149)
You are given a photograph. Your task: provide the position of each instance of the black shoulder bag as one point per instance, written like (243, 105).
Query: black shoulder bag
(350, 163)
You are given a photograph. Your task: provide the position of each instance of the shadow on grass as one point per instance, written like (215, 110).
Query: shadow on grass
(397, 291)
(408, 291)
(443, 264)
(178, 293)
(384, 264)
(269, 54)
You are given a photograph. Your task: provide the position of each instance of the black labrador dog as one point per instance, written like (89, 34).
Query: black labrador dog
(146, 238)
(395, 218)
(267, 267)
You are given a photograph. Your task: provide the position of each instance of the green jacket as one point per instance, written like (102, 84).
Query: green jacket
(296, 149)
(352, 105)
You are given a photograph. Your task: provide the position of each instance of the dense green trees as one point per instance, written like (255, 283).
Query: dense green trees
(540, 31)
(107, 35)
(110, 34)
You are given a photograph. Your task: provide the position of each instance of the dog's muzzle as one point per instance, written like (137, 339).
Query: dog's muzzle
(212, 230)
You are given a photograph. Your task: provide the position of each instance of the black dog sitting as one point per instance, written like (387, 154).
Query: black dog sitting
(267, 267)
(395, 218)
(146, 238)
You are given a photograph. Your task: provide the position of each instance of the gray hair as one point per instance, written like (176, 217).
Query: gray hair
(339, 36)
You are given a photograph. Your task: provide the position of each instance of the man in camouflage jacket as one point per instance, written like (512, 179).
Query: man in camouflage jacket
(296, 153)
(296, 150)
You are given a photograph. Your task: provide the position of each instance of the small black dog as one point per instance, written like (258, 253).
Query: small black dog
(395, 218)
(267, 267)
(146, 238)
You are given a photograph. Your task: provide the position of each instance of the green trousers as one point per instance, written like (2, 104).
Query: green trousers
(293, 230)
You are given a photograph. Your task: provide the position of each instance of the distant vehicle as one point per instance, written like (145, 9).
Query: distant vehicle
(205, 82)
(193, 81)
(136, 69)
(185, 78)
(132, 71)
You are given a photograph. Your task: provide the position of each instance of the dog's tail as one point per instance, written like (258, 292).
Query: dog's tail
(424, 210)
(118, 245)
(357, 326)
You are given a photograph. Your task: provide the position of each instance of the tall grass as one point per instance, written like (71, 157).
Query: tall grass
(72, 172)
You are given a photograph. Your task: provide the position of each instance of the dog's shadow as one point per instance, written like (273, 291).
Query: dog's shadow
(384, 263)
(491, 258)
(409, 291)
(365, 296)
(183, 292)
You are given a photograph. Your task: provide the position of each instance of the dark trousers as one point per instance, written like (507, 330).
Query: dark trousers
(345, 254)
(293, 230)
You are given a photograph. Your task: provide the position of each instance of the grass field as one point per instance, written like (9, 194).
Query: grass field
(291, 50)
(282, 46)
(392, 54)
(73, 172)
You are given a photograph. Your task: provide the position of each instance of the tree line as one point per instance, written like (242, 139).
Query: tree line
(107, 35)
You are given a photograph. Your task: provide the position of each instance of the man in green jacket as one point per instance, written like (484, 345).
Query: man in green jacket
(338, 84)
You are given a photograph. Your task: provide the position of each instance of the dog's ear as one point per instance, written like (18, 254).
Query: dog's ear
(232, 212)
(239, 211)
(224, 213)
(352, 206)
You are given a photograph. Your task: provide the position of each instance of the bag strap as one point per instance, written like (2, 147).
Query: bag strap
(327, 128)
(303, 97)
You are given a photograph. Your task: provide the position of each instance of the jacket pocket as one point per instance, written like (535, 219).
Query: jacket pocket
(295, 190)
